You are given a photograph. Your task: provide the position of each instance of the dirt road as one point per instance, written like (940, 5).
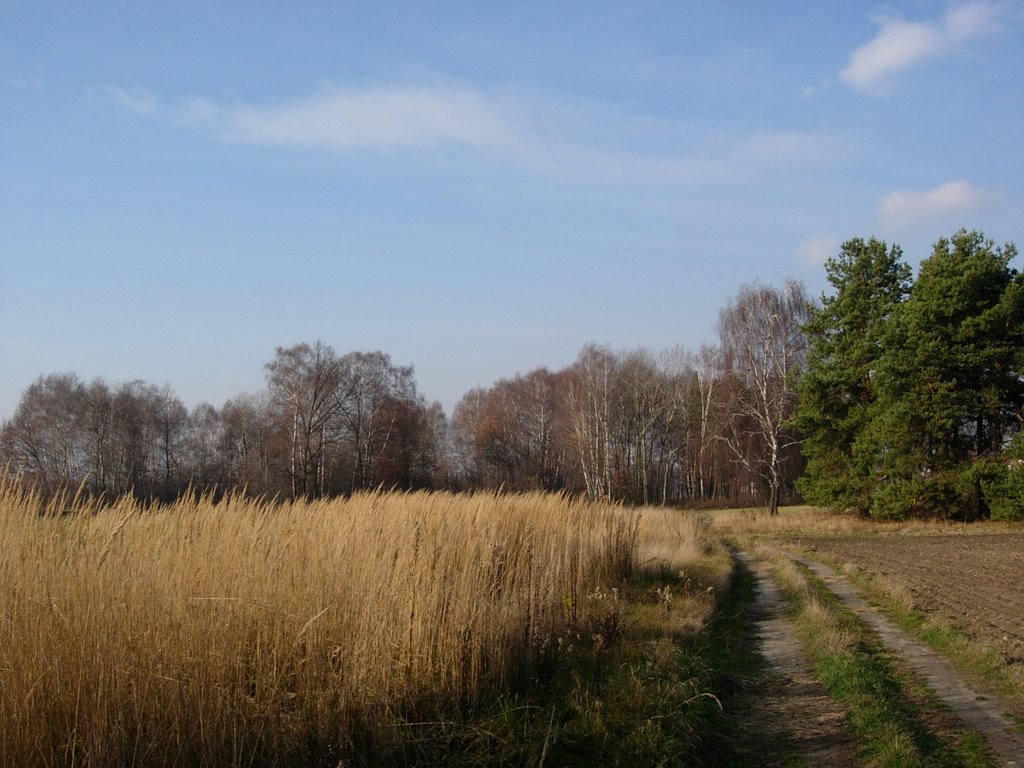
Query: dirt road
(790, 715)
(980, 711)
(798, 711)
(970, 581)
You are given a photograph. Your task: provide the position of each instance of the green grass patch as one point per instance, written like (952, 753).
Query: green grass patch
(887, 709)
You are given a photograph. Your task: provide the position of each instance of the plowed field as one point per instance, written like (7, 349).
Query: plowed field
(973, 582)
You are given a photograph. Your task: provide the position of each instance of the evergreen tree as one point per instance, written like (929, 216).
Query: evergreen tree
(838, 390)
(949, 382)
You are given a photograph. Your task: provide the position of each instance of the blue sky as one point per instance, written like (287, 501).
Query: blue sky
(475, 188)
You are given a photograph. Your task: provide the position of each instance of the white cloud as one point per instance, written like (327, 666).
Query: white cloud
(974, 20)
(898, 46)
(374, 119)
(901, 45)
(816, 250)
(901, 208)
(137, 100)
(585, 141)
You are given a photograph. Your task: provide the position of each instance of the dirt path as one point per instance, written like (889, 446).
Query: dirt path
(966, 581)
(790, 714)
(978, 711)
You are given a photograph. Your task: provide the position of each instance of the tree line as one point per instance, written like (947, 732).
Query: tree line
(889, 396)
(673, 427)
(678, 427)
(325, 424)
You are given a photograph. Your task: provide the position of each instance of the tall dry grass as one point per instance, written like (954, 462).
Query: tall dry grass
(246, 632)
(798, 519)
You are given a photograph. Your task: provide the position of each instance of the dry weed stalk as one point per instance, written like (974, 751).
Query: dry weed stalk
(234, 632)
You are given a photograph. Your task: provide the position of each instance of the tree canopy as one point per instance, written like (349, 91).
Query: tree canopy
(839, 391)
(914, 390)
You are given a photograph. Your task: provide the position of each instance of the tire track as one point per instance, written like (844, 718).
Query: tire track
(977, 710)
(791, 713)
(965, 580)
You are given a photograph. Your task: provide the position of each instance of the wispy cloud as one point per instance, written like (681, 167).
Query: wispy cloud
(26, 83)
(540, 136)
(900, 209)
(901, 45)
(814, 251)
(138, 101)
(790, 149)
(377, 119)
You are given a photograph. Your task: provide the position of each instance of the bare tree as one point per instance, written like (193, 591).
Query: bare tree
(45, 439)
(538, 392)
(367, 398)
(172, 422)
(643, 402)
(246, 440)
(708, 370)
(68, 434)
(466, 457)
(763, 346)
(588, 401)
(506, 435)
(204, 462)
(674, 439)
(303, 381)
(99, 426)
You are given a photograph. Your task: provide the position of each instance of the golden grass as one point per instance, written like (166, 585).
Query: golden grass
(246, 632)
(671, 541)
(817, 521)
(680, 550)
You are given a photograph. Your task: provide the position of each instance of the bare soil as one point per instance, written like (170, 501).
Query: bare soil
(789, 715)
(972, 582)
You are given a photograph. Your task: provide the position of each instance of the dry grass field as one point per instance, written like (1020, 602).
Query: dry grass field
(245, 632)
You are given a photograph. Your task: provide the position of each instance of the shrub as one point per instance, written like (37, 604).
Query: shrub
(900, 498)
(976, 490)
(1004, 493)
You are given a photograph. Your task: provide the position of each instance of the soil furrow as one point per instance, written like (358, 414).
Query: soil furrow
(967, 581)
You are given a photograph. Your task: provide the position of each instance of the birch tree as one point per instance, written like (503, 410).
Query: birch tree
(369, 387)
(44, 440)
(707, 374)
(588, 401)
(763, 345)
(303, 381)
(246, 442)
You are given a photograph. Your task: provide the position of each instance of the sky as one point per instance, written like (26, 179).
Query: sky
(477, 189)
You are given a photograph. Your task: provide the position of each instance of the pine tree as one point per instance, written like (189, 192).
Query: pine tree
(949, 383)
(838, 390)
